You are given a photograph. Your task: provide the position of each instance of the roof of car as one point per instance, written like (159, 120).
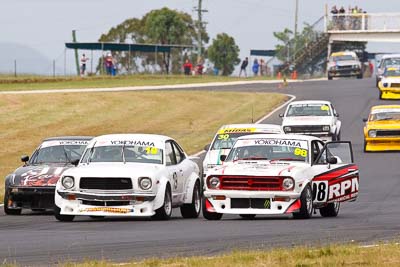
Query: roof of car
(68, 138)
(391, 56)
(280, 136)
(385, 107)
(250, 125)
(310, 102)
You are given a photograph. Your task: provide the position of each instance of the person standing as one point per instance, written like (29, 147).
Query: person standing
(244, 66)
(187, 67)
(109, 64)
(84, 59)
(256, 67)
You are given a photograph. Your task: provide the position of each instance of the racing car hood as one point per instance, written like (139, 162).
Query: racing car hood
(391, 79)
(307, 120)
(213, 156)
(39, 175)
(129, 169)
(260, 168)
(383, 125)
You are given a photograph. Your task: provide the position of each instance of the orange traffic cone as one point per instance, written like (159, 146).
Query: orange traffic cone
(294, 75)
(279, 76)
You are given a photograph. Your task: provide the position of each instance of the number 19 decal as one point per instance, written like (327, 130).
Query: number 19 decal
(320, 191)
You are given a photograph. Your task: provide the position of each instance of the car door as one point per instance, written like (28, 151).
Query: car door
(172, 170)
(184, 169)
(336, 177)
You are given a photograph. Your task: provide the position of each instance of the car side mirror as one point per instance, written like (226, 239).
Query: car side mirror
(207, 147)
(24, 158)
(337, 115)
(281, 115)
(222, 157)
(365, 120)
(75, 162)
(331, 160)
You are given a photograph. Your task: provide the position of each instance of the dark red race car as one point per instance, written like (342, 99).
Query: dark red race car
(32, 185)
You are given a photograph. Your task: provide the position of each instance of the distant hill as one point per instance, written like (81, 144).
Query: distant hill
(29, 60)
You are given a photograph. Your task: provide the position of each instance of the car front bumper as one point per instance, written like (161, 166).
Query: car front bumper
(344, 73)
(105, 204)
(252, 202)
(324, 136)
(389, 93)
(382, 144)
(39, 197)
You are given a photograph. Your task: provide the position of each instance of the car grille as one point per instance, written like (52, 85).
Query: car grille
(387, 133)
(306, 128)
(246, 203)
(256, 183)
(344, 67)
(395, 85)
(104, 203)
(105, 183)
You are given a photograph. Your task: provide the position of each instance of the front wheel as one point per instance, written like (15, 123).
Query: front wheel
(164, 213)
(7, 210)
(329, 77)
(360, 76)
(60, 217)
(306, 207)
(192, 210)
(212, 216)
(330, 210)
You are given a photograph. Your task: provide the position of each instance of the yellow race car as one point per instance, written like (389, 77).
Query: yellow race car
(382, 129)
(389, 86)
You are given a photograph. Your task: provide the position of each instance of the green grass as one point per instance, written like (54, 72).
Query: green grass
(191, 117)
(11, 83)
(333, 255)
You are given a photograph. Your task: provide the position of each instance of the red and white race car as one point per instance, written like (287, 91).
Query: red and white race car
(268, 174)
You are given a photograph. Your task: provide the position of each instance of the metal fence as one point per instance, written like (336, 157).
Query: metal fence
(363, 22)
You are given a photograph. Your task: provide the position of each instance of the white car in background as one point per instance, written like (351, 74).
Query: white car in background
(312, 117)
(225, 138)
(385, 62)
(281, 174)
(134, 175)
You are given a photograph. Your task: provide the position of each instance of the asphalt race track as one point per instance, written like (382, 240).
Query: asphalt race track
(40, 239)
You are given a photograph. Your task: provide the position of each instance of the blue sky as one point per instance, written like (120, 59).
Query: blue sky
(45, 25)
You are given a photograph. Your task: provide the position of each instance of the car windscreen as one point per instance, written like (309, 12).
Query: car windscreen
(385, 115)
(308, 110)
(392, 73)
(269, 149)
(390, 62)
(226, 139)
(57, 154)
(122, 153)
(343, 58)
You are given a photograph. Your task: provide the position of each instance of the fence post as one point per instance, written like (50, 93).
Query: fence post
(54, 68)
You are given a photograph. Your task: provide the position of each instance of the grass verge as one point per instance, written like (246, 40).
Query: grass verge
(191, 117)
(333, 255)
(10, 83)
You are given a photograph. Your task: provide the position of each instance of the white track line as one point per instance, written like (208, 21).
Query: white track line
(292, 97)
(1, 205)
(155, 87)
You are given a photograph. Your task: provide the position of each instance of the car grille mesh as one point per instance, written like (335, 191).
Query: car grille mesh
(306, 128)
(395, 85)
(387, 133)
(105, 183)
(256, 183)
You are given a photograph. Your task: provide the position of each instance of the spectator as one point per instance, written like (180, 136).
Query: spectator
(84, 59)
(371, 67)
(334, 12)
(262, 67)
(109, 64)
(341, 18)
(114, 67)
(187, 67)
(199, 66)
(256, 67)
(244, 66)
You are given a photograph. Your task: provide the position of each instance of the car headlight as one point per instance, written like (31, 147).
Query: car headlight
(372, 133)
(68, 182)
(145, 183)
(288, 183)
(385, 85)
(287, 129)
(326, 128)
(214, 182)
(356, 66)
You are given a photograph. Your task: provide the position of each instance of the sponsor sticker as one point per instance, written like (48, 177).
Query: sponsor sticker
(236, 130)
(65, 143)
(107, 209)
(302, 144)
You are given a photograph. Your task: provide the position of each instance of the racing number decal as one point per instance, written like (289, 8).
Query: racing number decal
(223, 136)
(320, 191)
(300, 152)
(151, 150)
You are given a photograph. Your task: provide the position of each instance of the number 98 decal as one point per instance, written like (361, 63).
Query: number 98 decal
(320, 191)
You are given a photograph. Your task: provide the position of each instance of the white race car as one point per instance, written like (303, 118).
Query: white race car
(226, 137)
(130, 175)
(281, 174)
(312, 117)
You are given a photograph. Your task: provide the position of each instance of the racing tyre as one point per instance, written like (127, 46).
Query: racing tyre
(60, 217)
(211, 216)
(380, 95)
(365, 147)
(329, 77)
(164, 213)
(247, 216)
(6, 209)
(359, 76)
(331, 210)
(38, 210)
(336, 137)
(306, 208)
(192, 210)
(97, 217)
(377, 83)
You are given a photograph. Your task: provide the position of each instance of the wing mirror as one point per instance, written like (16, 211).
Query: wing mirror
(365, 120)
(337, 115)
(281, 115)
(75, 162)
(222, 157)
(207, 147)
(331, 160)
(24, 158)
